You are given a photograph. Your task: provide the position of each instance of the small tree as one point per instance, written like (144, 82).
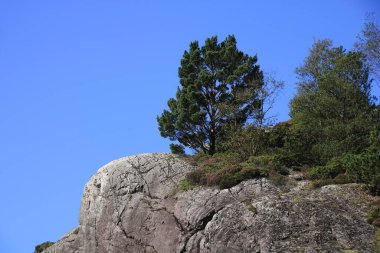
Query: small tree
(267, 95)
(218, 90)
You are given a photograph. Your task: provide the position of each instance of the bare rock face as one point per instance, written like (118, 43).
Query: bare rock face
(128, 206)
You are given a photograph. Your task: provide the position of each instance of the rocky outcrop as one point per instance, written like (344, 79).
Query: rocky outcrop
(129, 206)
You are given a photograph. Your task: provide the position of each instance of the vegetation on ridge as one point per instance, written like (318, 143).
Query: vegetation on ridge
(220, 112)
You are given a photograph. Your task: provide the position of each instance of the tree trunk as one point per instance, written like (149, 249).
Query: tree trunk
(212, 148)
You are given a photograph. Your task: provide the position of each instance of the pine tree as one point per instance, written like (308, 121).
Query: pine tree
(218, 90)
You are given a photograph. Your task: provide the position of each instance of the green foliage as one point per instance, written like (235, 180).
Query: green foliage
(269, 163)
(365, 167)
(218, 91)
(220, 110)
(177, 149)
(183, 186)
(255, 141)
(263, 162)
(331, 110)
(42, 247)
(276, 136)
(329, 171)
(245, 142)
(359, 168)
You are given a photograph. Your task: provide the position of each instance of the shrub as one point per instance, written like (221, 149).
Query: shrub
(197, 177)
(184, 185)
(197, 158)
(342, 179)
(226, 169)
(228, 181)
(329, 171)
(226, 177)
(288, 159)
(365, 168)
(263, 161)
(245, 142)
(229, 176)
(41, 247)
(248, 173)
(215, 162)
(269, 162)
(234, 175)
(213, 179)
(278, 179)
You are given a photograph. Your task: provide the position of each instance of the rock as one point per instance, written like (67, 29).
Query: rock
(127, 206)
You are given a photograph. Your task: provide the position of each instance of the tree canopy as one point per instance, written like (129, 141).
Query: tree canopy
(218, 90)
(332, 107)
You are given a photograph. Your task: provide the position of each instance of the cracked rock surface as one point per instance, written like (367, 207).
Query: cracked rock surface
(128, 206)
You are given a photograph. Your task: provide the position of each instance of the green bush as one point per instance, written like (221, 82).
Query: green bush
(365, 168)
(264, 161)
(329, 171)
(228, 181)
(255, 141)
(268, 163)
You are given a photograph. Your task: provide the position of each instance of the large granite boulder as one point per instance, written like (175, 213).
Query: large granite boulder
(129, 206)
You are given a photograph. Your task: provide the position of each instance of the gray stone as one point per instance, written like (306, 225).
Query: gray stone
(128, 206)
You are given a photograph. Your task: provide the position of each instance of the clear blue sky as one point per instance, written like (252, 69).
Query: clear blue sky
(82, 82)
